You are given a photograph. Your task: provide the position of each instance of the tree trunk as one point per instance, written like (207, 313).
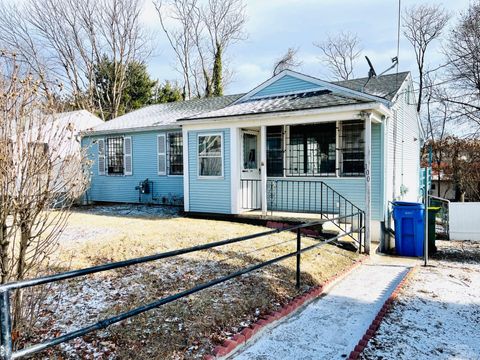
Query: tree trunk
(4, 243)
(217, 72)
(208, 84)
(25, 235)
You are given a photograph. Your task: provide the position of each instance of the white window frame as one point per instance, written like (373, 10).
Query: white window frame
(167, 152)
(257, 160)
(211, 177)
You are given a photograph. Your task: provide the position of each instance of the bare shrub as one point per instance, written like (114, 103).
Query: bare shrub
(43, 171)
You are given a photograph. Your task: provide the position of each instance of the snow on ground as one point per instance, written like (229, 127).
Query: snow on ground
(131, 210)
(330, 327)
(437, 315)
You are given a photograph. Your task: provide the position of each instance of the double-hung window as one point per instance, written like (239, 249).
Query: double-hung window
(115, 158)
(353, 148)
(210, 160)
(175, 153)
(275, 151)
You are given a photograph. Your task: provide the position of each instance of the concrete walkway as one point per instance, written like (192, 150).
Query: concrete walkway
(331, 326)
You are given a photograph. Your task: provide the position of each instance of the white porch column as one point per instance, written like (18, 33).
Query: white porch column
(368, 181)
(186, 176)
(235, 169)
(263, 167)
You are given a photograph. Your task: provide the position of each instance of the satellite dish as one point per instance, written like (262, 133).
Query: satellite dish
(371, 71)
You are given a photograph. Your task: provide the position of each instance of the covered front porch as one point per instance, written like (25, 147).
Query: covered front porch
(306, 171)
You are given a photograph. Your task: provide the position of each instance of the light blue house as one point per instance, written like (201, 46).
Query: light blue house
(294, 143)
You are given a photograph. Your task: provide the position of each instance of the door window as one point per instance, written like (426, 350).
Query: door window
(250, 153)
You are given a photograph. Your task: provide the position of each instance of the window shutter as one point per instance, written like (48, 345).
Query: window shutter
(127, 155)
(162, 154)
(101, 156)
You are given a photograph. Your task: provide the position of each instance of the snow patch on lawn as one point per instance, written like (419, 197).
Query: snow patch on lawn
(437, 316)
(132, 210)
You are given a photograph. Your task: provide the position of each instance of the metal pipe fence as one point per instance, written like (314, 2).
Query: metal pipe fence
(6, 348)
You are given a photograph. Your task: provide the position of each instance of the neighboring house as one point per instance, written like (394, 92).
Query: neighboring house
(294, 143)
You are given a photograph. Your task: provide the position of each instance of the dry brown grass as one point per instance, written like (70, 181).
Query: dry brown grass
(190, 327)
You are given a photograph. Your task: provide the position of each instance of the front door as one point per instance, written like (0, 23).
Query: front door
(250, 172)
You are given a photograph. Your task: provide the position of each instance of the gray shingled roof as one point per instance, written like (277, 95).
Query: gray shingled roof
(385, 86)
(164, 115)
(300, 101)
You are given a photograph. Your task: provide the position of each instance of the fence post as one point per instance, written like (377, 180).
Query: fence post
(5, 326)
(299, 247)
(360, 231)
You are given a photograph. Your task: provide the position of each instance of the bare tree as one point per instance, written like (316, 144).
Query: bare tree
(42, 172)
(180, 35)
(463, 64)
(65, 39)
(224, 21)
(422, 24)
(287, 61)
(199, 34)
(339, 53)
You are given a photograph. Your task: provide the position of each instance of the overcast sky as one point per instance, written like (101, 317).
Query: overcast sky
(275, 25)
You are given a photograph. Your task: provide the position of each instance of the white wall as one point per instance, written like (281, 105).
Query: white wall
(464, 221)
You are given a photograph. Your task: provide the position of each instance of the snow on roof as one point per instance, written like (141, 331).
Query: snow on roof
(82, 120)
(300, 101)
(164, 115)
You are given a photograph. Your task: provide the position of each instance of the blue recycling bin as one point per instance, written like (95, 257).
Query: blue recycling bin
(409, 228)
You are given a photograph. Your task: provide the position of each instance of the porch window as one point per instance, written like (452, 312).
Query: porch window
(175, 153)
(114, 152)
(312, 150)
(353, 149)
(275, 151)
(210, 155)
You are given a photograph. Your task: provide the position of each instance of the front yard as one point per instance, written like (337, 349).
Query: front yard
(187, 328)
(437, 314)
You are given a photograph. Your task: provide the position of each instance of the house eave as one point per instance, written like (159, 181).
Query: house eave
(379, 108)
(174, 126)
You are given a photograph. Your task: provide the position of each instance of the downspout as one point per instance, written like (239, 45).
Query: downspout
(368, 180)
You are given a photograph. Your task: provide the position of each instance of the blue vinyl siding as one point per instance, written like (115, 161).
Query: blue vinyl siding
(286, 84)
(144, 165)
(209, 195)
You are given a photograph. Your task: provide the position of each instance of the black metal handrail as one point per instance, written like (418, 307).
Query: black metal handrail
(314, 196)
(6, 348)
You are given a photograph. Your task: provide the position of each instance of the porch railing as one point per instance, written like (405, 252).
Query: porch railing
(250, 191)
(305, 196)
(6, 346)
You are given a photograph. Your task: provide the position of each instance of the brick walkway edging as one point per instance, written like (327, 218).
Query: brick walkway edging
(370, 333)
(240, 339)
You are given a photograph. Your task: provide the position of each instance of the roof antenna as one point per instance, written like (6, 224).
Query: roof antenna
(394, 63)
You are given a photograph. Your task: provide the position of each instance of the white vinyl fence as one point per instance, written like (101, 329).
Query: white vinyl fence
(464, 221)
